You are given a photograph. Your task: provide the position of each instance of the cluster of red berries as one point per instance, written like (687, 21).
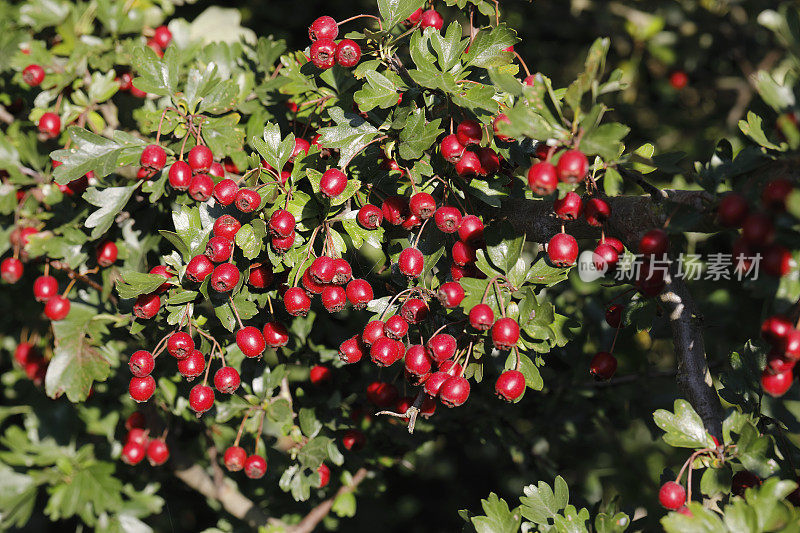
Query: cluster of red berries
(139, 445)
(464, 151)
(758, 227)
(428, 18)
(32, 362)
(325, 51)
(784, 341)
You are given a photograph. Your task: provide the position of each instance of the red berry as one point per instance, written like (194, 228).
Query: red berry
(11, 269)
(672, 495)
(481, 317)
(732, 210)
(470, 231)
(50, 125)
(510, 385)
(283, 244)
(323, 53)
(758, 230)
(414, 310)
(776, 384)
(300, 146)
(322, 269)
(774, 195)
(542, 178)
(434, 383)
(146, 306)
(342, 271)
(250, 341)
(370, 216)
(200, 159)
(192, 365)
(489, 160)
(418, 360)
(451, 148)
(655, 243)
(201, 398)
(296, 301)
(678, 80)
(451, 294)
(247, 200)
(614, 315)
(157, 452)
(396, 327)
(615, 244)
(199, 268)
(447, 219)
(334, 298)
(281, 223)
(275, 334)
(442, 346)
(411, 262)
(225, 277)
(324, 27)
(227, 379)
(742, 481)
(372, 332)
(201, 187)
(381, 394)
(454, 392)
(333, 182)
(505, 333)
(572, 166)
(44, 288)
(57, 308)
(469, 165)
(395, 210)
(603, 365)
(596, 212)
(359, 293)
(605, 258)
(422, 205)
(153, 157)
(255, 467)
(142, 389)
(141, 363)
(384, 352)
(179, 175)
(353, 440)
(501, 119)
(348, 53)
(310, 284)
(139, 436)
(217, 170)
(562, 250)
(351, 350)
(569, 207)
(219, 249)
(319, 375)
(132, 453)
(463, 254)
(413, 18)
(136, 420)
(162, 36)
(234, 458)
(260, 276)
(324, 475)
(33, 75)
(180, 345)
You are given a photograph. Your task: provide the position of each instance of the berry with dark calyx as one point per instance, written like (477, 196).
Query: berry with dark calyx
(201, 187)
(193, 365)
(283, 244)
(596, 211)
(434, 383)
(614, 315)
(351, 350)
(543, 178)
(226, 226)
(369, 216)
(201, 398)
(162, 36)
(569, 207)
(141, 363)
(505, 333)
(732, 210)
(324, 27)
(654, 243)
(180, 345)
(348, 53)
(463, 254)
(773, 197)
(50, 125)
(605, 258)
(255, 467)
(234, 458)
(451, 148)
(562, 250)
(381, 394)
(334, 298)
(199, 268)
(281, 223)
(758, 230)
(260, 277)
(451, 294)
(411, 262)
(470, 231)
(454, 392)
(142, 389)
(384, 352)
(442, 347)
(395, 327)
(672, 495)
(510, 385)
(324, 476)
(777, 260)
(572, 166)
(225, 277)
(469, 132)
(395, 210)
(11, 269)
(414, 310)
(776, 384)
(157, 452)
(147, 306)
(481, 317)
(322, 269)
(372, 332)
(57, 308)
(431, 19)
(323, 53)
(469, 165)
(342, 271)
(275, 334)
(153, 157)
(33, 75)
(418, 360)
(247, 200)
(200, 159)
(296, 301)
(180, 175)
(250, 341)
(133, 453)
(447, 219)
(44, 288)
(227, 379)
(144, 173)
(353, 440)
(422, 205)
(333, 182)
(219, 249)
(603, 365)
(742, 481)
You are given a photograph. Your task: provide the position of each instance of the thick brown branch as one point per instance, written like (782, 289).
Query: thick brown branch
(315, 516)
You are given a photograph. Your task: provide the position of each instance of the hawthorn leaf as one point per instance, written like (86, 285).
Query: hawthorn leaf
(499, 518)
(488, 48)
(418, 135)
(350, 134)
(134, 284)
(379, 91)
(684, 428)
(110, 201)
(395, 11)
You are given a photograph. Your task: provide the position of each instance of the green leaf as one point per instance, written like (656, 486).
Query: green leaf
(503, 245)
(395, 11)
(275, 151)
(541, 503)
(605, 141)
(309, 424)
(379, 91)
(134, 284)
(17, 498)
(477, 98)
(418, 135)
(156, 75)
(683, 428)
(488, 47)
(249, 242)
(752, 128)
(606, 523)
(189, 227)
(110, 201)
(350, 135)
(499, 518)
(344, 505)
(91, 152)
(449, 47)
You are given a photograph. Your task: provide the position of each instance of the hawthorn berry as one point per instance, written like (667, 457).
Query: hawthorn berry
(146, 306)
(342, 271)
(234, 458)
(442, 347)
(311, 286)
(481, 317)
(454, 392)
(569, 207)
(422, 205)
(758, 229)
(44, 288)
(324, 27)
(247, 200)
(543, 178)
(33, 75)
(136, 420)
(180, 345)
(418, 360)
(153, 157)
(605, 257)
(431, 19)
(50, 125)
(201, 187)
(323, 53)
(732, 210)
(773, 196)
(201, 398)
(348, 53)
(654, 243)
(384, 351)
(225, 277)
(282, 223)
(301, 146)
(411, 262)
(296, 301)
(139, 436)
(498, 120)
(319, 375)
(334, 298)
(255, 467)
(679, 80)
(451, 148)
(217, 170)
(489, 160)
(469, 165)
(227, 379)
(353, 440)
(413, 18)
(370, 216)
(450, 294)
(434, 383)
(198, 269)
(373, 331)
(776, 384)
(447, 219)
(777, 260)
(505, 333)
(11, 269)
(324, 475)
(219, 249)
(382, 394)
(743, 480)
(275, 334)
(179, 175)
(603, 365)
(333, 182)
(260, 276)
(510, 385)
(250, 341)
(596, 212)
(141, 363)
(142, 389)
(162, 36)
(132, 453)
(672, 495)
(192, 365)
(572, 166)
(57, 308)
(470, 231)
(200, 159)
(157, 452)
(414, 310)
(395, 327)
(562, 250)
(614, 315)
(283, 244)
(463, 254)
(322, 269)
(351, 350)
(395, 210)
